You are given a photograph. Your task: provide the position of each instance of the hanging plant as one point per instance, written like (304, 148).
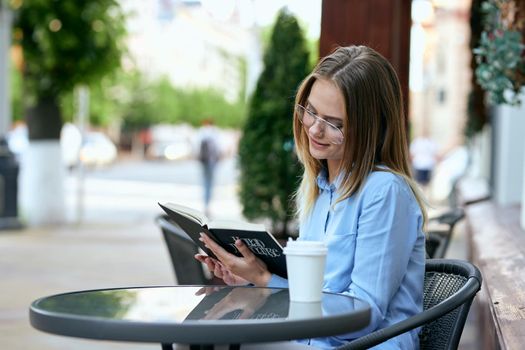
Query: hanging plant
(500, 54)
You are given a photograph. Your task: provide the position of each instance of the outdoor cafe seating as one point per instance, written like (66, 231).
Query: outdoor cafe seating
(450, 287)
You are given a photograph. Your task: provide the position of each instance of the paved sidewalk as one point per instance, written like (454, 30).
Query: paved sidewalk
(36, 263)
(118, 244)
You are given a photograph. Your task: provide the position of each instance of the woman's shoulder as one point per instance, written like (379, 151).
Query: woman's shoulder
(385, 178)
(382, 182)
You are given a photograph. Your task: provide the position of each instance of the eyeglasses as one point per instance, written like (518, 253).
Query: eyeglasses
(333, 134)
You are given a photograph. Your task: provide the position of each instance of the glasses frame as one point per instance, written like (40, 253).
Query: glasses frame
(301, 110)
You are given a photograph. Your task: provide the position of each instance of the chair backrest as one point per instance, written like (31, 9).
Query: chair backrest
(450, 287)
(450, 217)
(438, 240)
(436, 244)
(446, 280)
(188, 271)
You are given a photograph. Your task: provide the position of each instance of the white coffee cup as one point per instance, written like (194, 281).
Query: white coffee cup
(305, 264)
(301, 310)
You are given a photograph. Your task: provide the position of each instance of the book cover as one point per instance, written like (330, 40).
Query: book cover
(190, 226)
(225, 233)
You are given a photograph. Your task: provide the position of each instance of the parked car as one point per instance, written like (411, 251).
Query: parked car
(96, 149)
(171, 142)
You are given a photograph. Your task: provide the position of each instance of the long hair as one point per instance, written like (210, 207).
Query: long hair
(374, 128)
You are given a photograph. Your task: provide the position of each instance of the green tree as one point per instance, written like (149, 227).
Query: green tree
(158, 101)
(107, 98)
(64, 43)
(16, 93)
(270, 171)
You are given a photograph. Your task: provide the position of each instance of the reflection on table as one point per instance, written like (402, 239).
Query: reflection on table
(196, 315)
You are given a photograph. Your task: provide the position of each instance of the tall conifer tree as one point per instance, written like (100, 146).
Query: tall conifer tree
(270, 171)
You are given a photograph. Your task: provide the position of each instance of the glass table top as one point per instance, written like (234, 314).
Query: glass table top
(196, 315)
(183, 304)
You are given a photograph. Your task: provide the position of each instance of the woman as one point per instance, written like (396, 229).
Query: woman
(356, 194)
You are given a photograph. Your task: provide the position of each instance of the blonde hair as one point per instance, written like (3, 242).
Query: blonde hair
(375, 131)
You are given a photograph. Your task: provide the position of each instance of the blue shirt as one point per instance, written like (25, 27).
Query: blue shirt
(376, 252)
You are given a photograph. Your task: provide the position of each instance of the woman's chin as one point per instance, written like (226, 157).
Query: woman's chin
(317, 154)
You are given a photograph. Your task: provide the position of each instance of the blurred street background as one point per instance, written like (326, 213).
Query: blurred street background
(103, 103)
(117, 244)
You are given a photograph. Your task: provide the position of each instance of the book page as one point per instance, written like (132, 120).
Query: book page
(190, 213)
(235, 225)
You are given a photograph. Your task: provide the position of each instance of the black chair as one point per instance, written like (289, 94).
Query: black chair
(450, 217)
(188, 271)
(450, 287)
(435, 244)
(438, 240)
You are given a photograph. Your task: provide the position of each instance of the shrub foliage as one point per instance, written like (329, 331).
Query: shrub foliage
(270, 171)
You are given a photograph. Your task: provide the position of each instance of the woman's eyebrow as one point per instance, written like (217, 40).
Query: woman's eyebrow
(325, 116)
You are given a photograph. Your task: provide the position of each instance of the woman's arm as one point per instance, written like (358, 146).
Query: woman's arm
(387, 230)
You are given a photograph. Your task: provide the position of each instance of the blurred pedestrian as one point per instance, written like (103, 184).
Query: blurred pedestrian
(424, 156)
(209, 155)
(145, 138)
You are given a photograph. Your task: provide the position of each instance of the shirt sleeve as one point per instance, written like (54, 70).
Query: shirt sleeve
(386, 234)
(277, 282)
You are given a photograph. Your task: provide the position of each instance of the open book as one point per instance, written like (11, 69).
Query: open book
(225, 232)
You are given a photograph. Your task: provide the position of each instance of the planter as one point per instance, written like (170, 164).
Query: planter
(509, 153)
(42, 184)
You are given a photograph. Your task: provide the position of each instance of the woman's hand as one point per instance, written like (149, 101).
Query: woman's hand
(220, 271)
(248, 267)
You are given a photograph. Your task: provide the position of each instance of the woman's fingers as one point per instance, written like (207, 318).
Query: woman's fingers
(211, 264)
(244, 268)
(207, 290)
(218, 271)
(200, 257)
(243, 249)
(214, 247)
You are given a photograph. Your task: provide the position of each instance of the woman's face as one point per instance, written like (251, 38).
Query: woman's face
(327, 102)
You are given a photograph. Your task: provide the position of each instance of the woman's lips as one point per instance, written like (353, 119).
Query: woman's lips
(318, 144)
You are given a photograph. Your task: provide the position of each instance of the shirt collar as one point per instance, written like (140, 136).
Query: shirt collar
(323, 182)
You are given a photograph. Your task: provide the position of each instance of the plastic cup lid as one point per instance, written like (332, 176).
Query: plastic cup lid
(305, 247)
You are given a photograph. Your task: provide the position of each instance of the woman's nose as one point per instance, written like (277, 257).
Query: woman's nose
(316, 129)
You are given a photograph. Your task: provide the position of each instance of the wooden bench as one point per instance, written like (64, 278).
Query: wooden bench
(497, 247)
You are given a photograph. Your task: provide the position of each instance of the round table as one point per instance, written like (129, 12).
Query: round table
(196, 315)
